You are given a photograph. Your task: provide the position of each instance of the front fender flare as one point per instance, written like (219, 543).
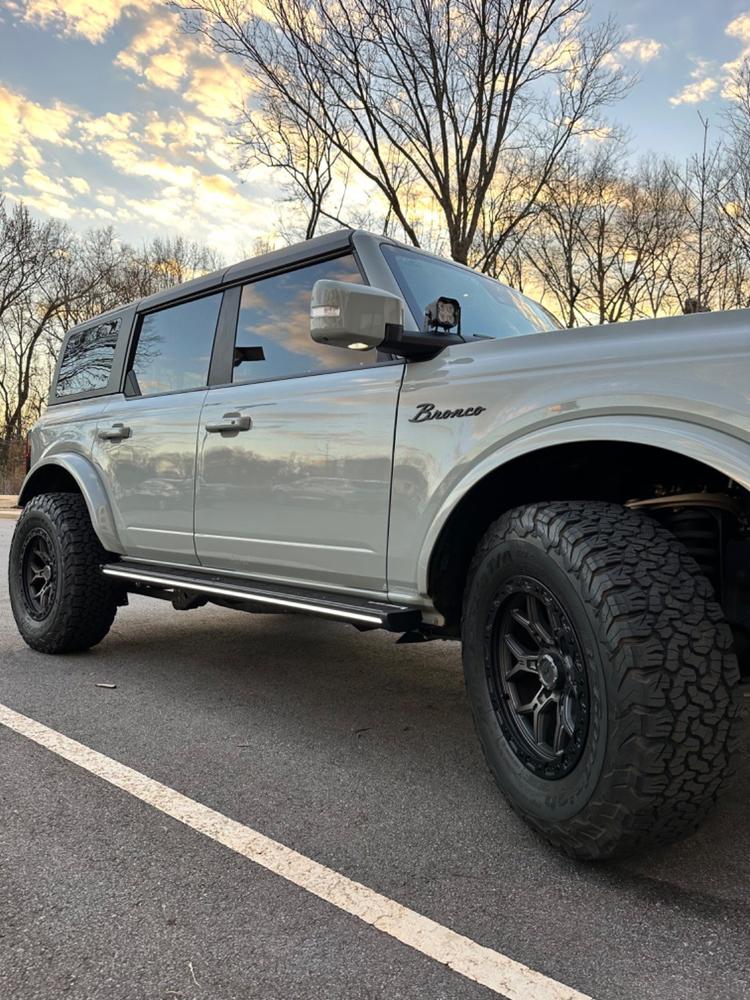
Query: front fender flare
(92, 490)
(721, 451)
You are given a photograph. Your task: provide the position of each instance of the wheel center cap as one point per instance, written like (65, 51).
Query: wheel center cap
(549, 671)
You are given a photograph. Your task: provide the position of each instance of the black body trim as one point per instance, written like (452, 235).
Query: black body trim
(222, 354)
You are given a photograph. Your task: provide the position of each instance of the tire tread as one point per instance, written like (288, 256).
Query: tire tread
(88, 600)
(673, 726)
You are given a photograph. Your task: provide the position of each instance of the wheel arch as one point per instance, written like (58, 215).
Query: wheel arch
(72, 473)
(612, 459)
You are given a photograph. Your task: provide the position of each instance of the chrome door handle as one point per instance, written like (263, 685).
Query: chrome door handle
(117, 432)
(230, 422)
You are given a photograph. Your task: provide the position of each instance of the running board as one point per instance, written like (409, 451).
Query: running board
(357, 610)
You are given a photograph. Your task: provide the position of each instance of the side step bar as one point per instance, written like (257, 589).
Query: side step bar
(357, 610)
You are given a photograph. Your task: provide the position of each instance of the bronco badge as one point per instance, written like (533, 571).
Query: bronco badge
(427, 411)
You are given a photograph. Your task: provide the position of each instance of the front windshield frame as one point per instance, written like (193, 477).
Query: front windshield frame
(531, 317)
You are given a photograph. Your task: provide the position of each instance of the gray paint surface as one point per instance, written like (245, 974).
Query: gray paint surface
(311, 494)
(151, 474)
(303, 495)
(680, 384)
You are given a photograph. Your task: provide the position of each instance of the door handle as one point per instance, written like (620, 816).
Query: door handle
(230, 422)
(117, 432)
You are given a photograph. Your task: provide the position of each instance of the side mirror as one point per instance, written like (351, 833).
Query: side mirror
(356, 317)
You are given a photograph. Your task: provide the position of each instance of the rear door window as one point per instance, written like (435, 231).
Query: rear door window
(173, 348)
(86, 364)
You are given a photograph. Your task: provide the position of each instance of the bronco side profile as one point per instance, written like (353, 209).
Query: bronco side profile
(360, 430)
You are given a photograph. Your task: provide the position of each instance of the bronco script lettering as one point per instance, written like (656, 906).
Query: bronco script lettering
(427, 411)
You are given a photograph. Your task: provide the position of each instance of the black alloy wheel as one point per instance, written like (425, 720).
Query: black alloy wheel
(537, 676)
(39, 576)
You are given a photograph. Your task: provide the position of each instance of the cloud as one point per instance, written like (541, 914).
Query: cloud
(739, 28)
(703, 85)
(24, 124)
(50, 205)
(183, 192)
(642, 50)
(90, 19)
(166, 58)
(159, 52)
(146, 170)
(217, 90)
(37, 181)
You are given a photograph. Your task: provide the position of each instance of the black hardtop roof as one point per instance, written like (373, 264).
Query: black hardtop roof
(320, 246)
(331, 243)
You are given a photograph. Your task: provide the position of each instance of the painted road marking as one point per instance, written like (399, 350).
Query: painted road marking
(489, 968)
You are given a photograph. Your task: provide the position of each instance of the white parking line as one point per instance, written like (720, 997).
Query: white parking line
(489, 968)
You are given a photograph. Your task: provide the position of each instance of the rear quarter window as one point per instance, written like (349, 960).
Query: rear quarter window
(87, 359)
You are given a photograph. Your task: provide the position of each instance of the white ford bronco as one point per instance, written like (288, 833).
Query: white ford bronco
(360, 430)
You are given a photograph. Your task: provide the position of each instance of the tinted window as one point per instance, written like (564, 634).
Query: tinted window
(273, 330)
(87, 361)
(174, 346)
(488, 309)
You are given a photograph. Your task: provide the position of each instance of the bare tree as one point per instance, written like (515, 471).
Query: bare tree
(604, 241)
(51, 280)
(553, 245)
(446, 91)
(734, 193)
(275, 134)
(28, 251)
(708, 241)
(634, 223)
(160, 264)
(656, 224)
(67, 274)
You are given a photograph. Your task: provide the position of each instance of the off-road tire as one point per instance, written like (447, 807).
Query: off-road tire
(664, 702)
(84, 602)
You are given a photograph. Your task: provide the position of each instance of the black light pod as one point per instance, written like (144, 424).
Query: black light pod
(443, 315)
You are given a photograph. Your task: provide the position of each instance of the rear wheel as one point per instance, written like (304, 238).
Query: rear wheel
(601, 676)
(61, 601)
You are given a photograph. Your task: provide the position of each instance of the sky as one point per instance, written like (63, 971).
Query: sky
(110, 115)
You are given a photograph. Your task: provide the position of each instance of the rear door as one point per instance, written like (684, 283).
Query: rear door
(296, 486)
(146, 439)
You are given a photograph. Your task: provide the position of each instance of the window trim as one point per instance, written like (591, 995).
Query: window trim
(387, 360)
(222, 354)
(112, 387)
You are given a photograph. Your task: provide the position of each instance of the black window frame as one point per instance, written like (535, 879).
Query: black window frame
(125, 318)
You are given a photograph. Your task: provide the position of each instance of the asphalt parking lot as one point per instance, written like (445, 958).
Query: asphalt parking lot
(356, 752)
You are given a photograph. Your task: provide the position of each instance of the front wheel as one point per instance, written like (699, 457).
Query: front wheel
(61, 601)
(600, 674)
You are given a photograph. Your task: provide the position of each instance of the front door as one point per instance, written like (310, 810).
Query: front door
(294, 457)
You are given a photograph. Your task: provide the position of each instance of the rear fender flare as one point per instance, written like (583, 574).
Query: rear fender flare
(92, 489)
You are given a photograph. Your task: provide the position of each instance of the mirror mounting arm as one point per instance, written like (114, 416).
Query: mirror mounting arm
(416, 345)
